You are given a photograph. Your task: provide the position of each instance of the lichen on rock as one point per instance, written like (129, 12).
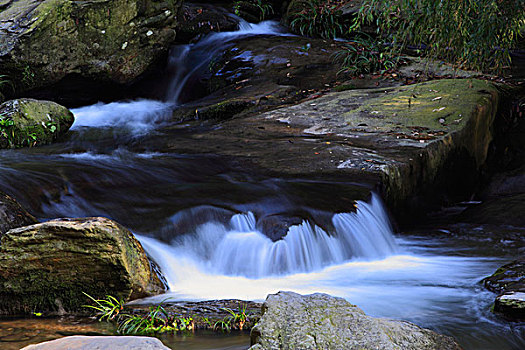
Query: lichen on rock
(320, 321)
(47, 267)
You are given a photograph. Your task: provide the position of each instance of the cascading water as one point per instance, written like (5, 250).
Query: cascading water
(185, 62)
(238, 249)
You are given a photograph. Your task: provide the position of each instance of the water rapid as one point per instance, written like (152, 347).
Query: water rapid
(239, 249)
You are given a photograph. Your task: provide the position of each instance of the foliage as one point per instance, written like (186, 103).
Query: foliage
(474, 34)
(264, 9)
(107, 309)
(318, 18)
(159, 320)
(363, 54)
(233, 320)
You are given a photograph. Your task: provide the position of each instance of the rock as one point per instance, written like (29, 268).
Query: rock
(46, 267)
(78, 342)
(509, 282)
(511, 305)
(114, 41)
(320, 321)
(28, 122)
(388, 138)
(504, 210)
(200, 19)
(12, 215)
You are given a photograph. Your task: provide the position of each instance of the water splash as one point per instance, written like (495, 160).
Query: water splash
(136, 117)
(238, 249)
(187, 61)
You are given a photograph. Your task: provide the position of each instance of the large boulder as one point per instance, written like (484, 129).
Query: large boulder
(109, 41)
(12, 215)
(320, 321)
(95, 343)
(422, 145)
(509, 282)
(27, 122)
(47, 267)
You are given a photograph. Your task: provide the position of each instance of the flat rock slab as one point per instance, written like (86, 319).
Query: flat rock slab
(432, 135)
(100, 343)
(320, 321)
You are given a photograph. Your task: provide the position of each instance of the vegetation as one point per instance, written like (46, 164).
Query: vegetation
(12, 137)
(318, 18)
(263, 8)
(363, 54)
(159, 320)
(474, 34)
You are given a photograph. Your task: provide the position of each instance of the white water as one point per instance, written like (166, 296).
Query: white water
(238, 249)
(187, 60)
(137, 117)
(141, 116)
(361, 261)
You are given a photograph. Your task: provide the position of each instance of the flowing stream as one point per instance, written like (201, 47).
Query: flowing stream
(203, 219)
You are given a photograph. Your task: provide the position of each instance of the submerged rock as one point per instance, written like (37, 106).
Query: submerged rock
(47, 267)
(509, 282)
(12, 215)
(42, 42)
(27, 122)
(320, 321)
(95, 343)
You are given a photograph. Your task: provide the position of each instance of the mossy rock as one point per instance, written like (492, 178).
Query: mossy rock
(42, 42)
(47, 267)
(509, 282)
(28, 122)
(12, 215)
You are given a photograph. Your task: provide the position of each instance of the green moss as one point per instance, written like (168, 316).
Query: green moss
(223, 110)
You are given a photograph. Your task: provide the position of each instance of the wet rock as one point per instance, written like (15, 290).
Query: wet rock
(47, 267)
(292, 61)
(43, 42)
(512, 305)
(509, 282)
(505, 210)
(105, 342)
(28, 122)
(389, 138)
(200, 19)
(12, 215)
(320, 321)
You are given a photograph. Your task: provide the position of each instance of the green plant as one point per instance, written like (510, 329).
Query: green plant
(238, 319)
(222, 325)
(264, 9)
(318, 18)
(28, 76)
(363, 54)
(156, 321)
(7, 130)
(474, 34)
(107, 309)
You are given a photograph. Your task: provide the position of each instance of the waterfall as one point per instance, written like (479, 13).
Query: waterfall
(187, 61)
(238, 249)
